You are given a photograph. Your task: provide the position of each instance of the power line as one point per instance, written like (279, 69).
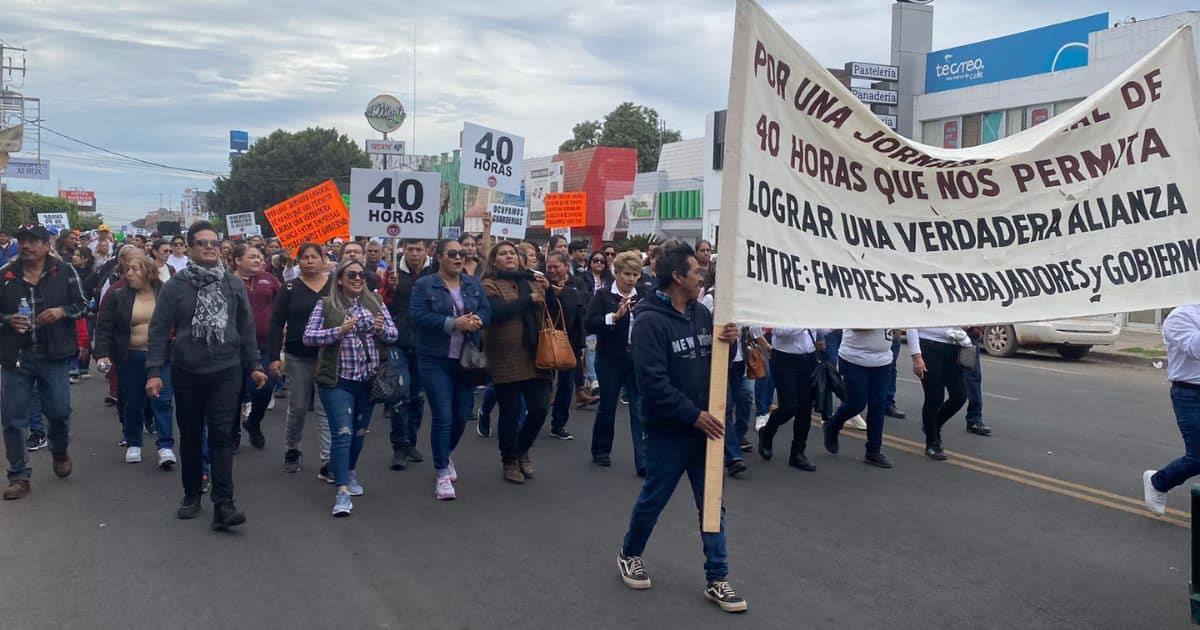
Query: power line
(124, 155)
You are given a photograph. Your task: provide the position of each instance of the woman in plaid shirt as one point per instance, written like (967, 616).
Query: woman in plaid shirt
(351, 327)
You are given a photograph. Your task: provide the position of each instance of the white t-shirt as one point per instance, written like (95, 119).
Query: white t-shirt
(177, 262)
(867, 348)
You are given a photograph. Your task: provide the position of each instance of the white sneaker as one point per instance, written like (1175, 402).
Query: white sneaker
(245, 410)
(1156, 501)
(166, 458)
(761, 421)
(133, 455)
(857, 423)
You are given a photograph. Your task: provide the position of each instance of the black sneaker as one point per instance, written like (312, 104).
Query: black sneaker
(877, 459)
(935, 453)
(746, 446)
(561, 433)
(226, 516)
(399, 459)
(724, 596)
(602, 460)
(979, 428)
(736, 467)
(36, 440)
(831, 437)
(800, 461)
(257, 439)
(291, 461)
(324, 474)
(893, 412)
(109, 401)
(633, 571)
(189, 507)
(414, 455)
(484, 426)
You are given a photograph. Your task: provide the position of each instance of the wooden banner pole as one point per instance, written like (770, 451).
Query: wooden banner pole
(714, 456)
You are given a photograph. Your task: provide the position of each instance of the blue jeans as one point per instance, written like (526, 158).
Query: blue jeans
(764, 391)
(614, 375)
(1186, 401)
(892, 374)
(36, 423)
(738, 401)
(131, 376)
(409, 403)
(490, 400)
(668, 457)
(974, 392)
(833, 341)
(17, 390)
(348, 407)
(258, 398)
(866, 388)
(450, 398)
(589, 363)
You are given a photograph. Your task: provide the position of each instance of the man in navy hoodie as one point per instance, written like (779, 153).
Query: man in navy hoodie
(672, 354)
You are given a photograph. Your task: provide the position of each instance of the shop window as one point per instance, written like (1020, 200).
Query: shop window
(931, 132)
(1014, 122)
(992, 127)
(1063, 106)
(971, 130)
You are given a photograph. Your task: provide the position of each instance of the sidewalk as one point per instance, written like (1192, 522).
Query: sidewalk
(1136, 347)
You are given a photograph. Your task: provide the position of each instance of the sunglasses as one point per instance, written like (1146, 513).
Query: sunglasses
(355, 275)
(455, 253)
(206, 242)
(610, 254)
(598, 260)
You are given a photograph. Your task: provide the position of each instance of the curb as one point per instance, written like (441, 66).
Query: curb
(1125, 359)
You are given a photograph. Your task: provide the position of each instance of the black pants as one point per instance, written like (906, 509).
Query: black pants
(207, 400)
(793, 374)
(516, 438)
(943, 376)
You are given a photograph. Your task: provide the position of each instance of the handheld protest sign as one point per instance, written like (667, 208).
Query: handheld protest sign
(315, 215)
(396, 204)
(509, 221)
(566, 210)
(491, 159)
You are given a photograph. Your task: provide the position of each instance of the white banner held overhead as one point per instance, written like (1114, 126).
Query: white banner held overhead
(398, 204)
(241, 223)
(830, 219)
(491, 159)
(509, 221)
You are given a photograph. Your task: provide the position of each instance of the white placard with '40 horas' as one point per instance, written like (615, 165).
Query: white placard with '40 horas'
(491, 159)
(397, 204)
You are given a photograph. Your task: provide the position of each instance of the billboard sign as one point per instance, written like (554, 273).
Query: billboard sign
(385, 147)
(873, 71)
(385, 113)
(85, 198)
(24, 168)
(238, 140)
(1048, 49)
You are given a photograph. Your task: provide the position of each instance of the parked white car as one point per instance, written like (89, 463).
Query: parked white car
(1073, 338)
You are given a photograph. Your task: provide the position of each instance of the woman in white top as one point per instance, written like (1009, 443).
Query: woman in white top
(864, 359)
(935, 362)
(793, 360)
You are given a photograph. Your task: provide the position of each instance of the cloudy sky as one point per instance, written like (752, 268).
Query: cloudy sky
(165, 81)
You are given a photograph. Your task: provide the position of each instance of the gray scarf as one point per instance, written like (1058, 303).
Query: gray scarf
(212, 315)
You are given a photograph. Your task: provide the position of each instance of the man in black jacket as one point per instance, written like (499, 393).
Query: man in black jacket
(35, 350)
(204, 313)
(672, 354)
(571, 293)
(407, 410)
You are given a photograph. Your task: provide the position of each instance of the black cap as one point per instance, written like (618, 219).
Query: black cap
(34, 231)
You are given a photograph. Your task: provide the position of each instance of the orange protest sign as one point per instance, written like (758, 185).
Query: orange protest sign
(566, 210)
(315, 215)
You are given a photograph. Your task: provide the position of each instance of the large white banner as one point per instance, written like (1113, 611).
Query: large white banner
(830, 219)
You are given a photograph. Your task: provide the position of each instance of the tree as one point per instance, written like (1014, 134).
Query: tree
(22, 207)
(586, 136)
(282, 164)
(628, 125)
(16, 212)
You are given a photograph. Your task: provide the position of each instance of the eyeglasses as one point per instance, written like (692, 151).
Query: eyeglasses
(355, 275)
(206, 242)
(455, 253)
(610, 254)
(598, 260)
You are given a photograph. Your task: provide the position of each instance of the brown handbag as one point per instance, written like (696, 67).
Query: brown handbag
(554, 351)
(756, 364)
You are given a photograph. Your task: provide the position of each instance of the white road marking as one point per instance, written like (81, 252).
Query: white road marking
(1032, 367)
(909, 380)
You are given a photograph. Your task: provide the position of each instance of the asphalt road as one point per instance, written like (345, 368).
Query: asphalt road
(1038, 526)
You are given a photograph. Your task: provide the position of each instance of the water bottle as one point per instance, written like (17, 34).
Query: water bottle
(26, 311)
